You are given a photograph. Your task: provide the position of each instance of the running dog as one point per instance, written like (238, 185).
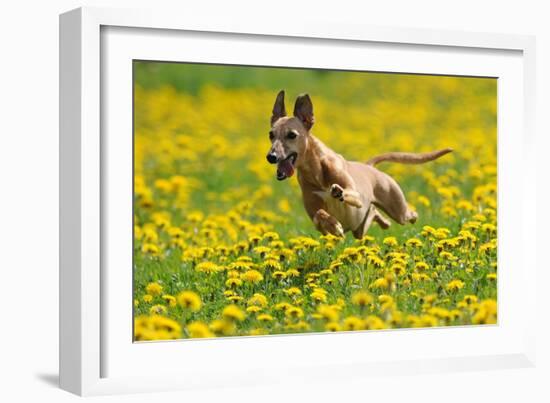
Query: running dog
(338, 195)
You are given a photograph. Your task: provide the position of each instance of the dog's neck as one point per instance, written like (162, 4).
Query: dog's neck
(309, 168)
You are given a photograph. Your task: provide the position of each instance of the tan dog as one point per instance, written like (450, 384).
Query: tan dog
(339, 195)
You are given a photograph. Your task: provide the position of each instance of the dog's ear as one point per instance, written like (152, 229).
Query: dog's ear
(279, 107)
(303, 110)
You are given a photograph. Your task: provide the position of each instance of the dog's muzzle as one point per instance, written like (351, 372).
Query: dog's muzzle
(285, 167)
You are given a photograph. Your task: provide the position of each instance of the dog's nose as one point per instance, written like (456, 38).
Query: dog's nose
(272, 158)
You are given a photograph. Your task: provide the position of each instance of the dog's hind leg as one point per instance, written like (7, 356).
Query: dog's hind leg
(390, 198)
(381, 220)
(372, 215)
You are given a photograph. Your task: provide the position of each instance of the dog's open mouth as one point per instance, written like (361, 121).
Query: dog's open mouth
(285, 168)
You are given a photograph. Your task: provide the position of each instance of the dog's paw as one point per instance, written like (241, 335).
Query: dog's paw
(333, 227)
(337, 192)
(412, 216)
(327, 224)
(349, 197)
(353, 201)
(382, 221)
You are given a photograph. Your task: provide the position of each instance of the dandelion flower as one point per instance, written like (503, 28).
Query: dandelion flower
(282, 306)
(150, 249)
(361, 298)
(486, 313)
(155, 327)
(414, 242)
(190, 300)
(328, 313)
(223, 327)
(233, 282)
(233, 312)
(333, 327)
(374, 323)
(279, 275)
(153, 289)
(421, 266)
(199, 330)
(158, 310)
(390, 241)
(252, 276)
(258, 300)
(207, 267)
(170, 300)
(264, 317)
(271, 236)
(293, 291)
(319, 295)
(380, 283)
(454, 285)
(294, 312)
(353, 323)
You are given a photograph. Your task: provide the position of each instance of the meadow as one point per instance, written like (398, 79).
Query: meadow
(221, 248)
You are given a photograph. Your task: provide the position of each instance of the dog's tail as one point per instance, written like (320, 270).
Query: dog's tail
(408, 158)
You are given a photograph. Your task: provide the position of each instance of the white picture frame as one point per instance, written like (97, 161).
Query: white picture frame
(90, 104)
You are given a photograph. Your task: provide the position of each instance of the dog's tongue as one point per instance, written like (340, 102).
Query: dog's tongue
(286, 167)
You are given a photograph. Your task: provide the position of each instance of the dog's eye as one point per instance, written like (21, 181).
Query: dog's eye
(291, 135)
(271, 135)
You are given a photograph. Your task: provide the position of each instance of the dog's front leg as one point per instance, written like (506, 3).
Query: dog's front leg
(346, 195)
(327, 224)
(340, 182)
(315, 207)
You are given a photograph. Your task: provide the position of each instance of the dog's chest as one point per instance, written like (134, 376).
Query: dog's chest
(349, 216)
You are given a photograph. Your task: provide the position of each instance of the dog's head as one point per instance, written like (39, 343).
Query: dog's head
(289, 135)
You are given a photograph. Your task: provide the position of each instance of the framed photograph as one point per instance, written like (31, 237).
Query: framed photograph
(244, 203)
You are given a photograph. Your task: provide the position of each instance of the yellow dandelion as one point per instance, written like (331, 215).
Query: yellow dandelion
(264, 317)
(150, 249)
(158, 310)
(153, 289)
(207, 267)
(258, 300)
(190, 300)
(414, 242)
(223, 327)
(380, 283)
(390, 241)
(319, 295)
(361, 298)
(294, 312)
(170, 300)
(333, 327)
(199, 330)
(373, 322)
(486, 312)
(454, 285)
(328, 312)
(233, 312)
(252, 276)
(353, 323)
(233, 282)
